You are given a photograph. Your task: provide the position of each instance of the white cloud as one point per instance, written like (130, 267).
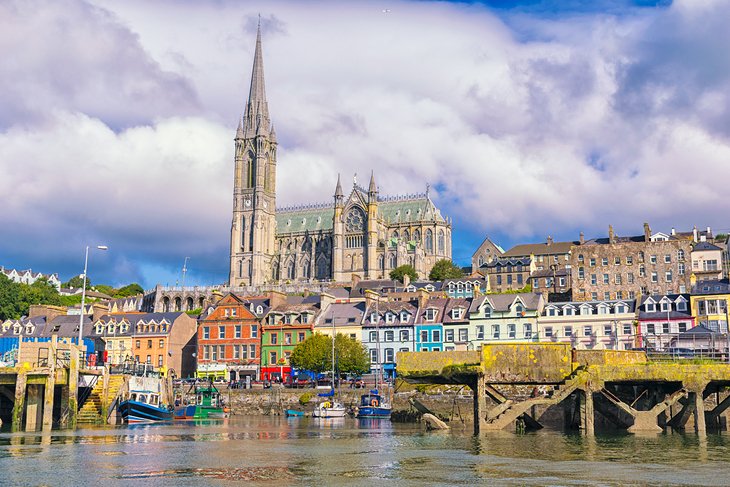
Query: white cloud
(531, 127)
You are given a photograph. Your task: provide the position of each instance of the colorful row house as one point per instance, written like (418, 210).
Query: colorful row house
(592, 325)
(504, 318)
(229, 339)
(387, 328)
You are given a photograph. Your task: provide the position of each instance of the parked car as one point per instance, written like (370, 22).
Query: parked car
(297, 382)
(357, 383)
(677, 352)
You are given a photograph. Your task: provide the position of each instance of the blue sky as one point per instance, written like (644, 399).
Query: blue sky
(527, 119)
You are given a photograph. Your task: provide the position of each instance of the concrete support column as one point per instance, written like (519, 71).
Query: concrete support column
(33, 407)
(21, 382)
(73, 387)
(587, 413)
(480, 405)
(49, 399)
(699, 413)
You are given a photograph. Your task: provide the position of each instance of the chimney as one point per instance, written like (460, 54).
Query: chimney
(674, 232)
(98, 310)
(406, 280)
(371, 297)
(694, 234)
(276, 298)
(647, 233)
(709, 232)
(549, 240)
(610, 234)
(423, 296)
(215, 296)
(50, 312)
(325, 300)
(582, 238)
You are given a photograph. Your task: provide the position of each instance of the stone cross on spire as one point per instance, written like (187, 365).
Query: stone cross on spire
(256, 116)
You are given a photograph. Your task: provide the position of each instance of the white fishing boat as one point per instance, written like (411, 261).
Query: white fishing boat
(330, 407)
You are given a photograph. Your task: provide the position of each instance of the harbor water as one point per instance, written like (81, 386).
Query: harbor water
(306, 451)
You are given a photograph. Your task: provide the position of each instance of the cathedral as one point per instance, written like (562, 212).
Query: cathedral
(361, 234)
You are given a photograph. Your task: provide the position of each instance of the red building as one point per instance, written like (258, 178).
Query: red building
(229, 339)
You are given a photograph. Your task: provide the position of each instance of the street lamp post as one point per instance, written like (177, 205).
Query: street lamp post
(83, 292)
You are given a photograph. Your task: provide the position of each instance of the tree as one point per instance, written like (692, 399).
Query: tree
(76, 282)
(445, 269)
(9, 298)
(105, 289)
(315, 354)
(399, 273)
(129, 290)
(40, 292)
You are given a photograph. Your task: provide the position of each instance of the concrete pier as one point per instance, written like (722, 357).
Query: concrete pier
(521, 382)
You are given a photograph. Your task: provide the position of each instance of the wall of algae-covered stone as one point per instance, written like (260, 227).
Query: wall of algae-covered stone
(526, 362)
(422, 364)
(610, 357)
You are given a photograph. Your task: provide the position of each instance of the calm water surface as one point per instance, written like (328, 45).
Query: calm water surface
(306, 451)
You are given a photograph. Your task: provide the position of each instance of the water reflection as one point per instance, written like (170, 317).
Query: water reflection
(281, 451)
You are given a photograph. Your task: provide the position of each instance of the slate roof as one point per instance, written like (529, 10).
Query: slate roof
(539, 249)
(342, 314)
(394, 307)
(505, 261)
(502, 302)
(562, 272)
(705, 246)
(712, 286)
(698, 330)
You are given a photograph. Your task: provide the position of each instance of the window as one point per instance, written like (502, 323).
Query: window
(632, 295)
(464, 334)
(668, 276)
(389, 335)
(403, 317)
(254, 331)
(436, 335)
(519, 278)
(389, 355)
(457, 313)
(509, 279)
(620, 308)
(682, 327)
(630, 278)
(448, 335)
(274, 338)
(588, 331)
(373, 336)
(162, 343)
(206, 352)
(617, 279)
(667, 259)
(594, 296)
(480, 332)
(580, 258)
(581, 273)
(495, 331)
(149, 343)
(568, 330)
(527, 330)
(237, 352)
(206, 333)
(681, 306)
(606, 295)
(652, 259)
(654, 277)
(602, 310)
(221, 351)
(592, 262)
(221, 331)
(301, 336)
(568, 311)
(499, 280)
(562, 282)
(511, 331)
(606, 279)
(629, 260)
(487, 312)
(424, 336)
(430, 315)
(604, 261)
(272, 357)
(607, 330)
(681, 269)
(627, 329)
(680, 256)
(650, 307)
(548, 332)
(252, 351)
(552, 312)
(373, 356)
(237, 332)
(404, 335)
(594, 281)
(149, 359)
(665, 327)
(287, 338)
(159, 360)
(373, 317)
(650, 328)
(617, 260)
(287, 319)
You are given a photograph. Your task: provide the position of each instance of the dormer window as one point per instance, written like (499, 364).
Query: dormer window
(552, 312)
(487, 312)
(457, 313)
(16, 329)
(259, 309)
(403, 317)
(519, 309)
(620, 308)
(682, 305)
(650, 307)
(568, 311)
(287, 319)
(389, 317)
(29, 329)
(373, 317)
(603, 310)
(305, 318)
(664, 306)
(98, 329)
(430, 314)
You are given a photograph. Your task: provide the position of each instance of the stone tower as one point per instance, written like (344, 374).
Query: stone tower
(254, 188)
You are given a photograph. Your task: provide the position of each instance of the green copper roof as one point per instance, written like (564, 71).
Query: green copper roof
(304, 219)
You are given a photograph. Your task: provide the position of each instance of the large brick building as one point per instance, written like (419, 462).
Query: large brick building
(628, 267)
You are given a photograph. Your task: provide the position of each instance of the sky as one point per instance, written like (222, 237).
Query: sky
(527, 119)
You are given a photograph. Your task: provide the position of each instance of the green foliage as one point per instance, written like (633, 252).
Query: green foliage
(445, 269)
(399, 272)
(77, 282)
(129, 290)
(315, 354)
(721, 237)
(305, 398)
(9, 298)
(194, 312)
(103, 288)
(73, 300)
(526, 289)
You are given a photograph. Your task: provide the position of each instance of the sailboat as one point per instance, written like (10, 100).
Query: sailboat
(330, 408)
(373, 405)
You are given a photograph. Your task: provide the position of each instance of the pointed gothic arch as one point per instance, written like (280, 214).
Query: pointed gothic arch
(442, 241)
(429, 241)
(417, 235)
(291, 270)
(322, 270)
(381, 262)
(406, 235)
(305, 269)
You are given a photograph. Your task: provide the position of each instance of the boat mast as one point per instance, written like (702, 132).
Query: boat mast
(332, 315)
(377, 342)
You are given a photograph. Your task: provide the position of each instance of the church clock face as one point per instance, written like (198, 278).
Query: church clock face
(355, 221)
(247, 202)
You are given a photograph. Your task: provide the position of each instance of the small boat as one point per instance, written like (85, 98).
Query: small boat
(144, 407)
(203, 401)
(293, 413)
(372, 405)
(329, 408)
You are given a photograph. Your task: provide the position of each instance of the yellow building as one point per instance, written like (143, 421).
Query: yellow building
(709, 302)
(116, 335)
(343, 318)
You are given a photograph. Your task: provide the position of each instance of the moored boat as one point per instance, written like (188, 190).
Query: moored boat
(373, 405)
(203, 401)
(293, 413)
(144, 407)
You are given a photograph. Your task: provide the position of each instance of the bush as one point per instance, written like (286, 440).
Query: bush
(305, 398)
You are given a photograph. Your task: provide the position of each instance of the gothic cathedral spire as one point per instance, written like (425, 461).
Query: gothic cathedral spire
(254, 188)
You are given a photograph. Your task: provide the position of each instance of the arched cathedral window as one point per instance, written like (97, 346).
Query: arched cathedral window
(291, 270)
(442, 241)
(381, 262)
(406, 235)
(429, 240)
(305, 269)
(393, 261)
(417, 235)
(355, 228)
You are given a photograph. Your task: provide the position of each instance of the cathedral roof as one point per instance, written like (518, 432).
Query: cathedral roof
(310, 218)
